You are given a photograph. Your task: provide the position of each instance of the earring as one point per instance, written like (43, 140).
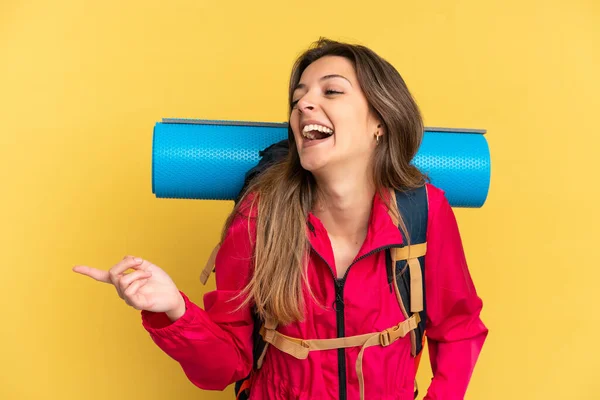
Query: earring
(377, 137)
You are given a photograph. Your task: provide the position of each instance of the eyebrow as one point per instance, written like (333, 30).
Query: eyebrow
(303, 86)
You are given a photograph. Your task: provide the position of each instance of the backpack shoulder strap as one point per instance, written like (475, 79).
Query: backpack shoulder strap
(408, 261)
(413, 206)
(210, 265)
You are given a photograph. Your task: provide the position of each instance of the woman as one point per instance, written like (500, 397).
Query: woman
(306, 247)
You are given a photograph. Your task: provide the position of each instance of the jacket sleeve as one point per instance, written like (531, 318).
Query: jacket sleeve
(454, 330)
(213, 346)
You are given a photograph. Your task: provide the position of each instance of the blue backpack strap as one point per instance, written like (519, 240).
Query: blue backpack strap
(413, 207)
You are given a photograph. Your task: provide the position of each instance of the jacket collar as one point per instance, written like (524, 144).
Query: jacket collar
(381, 233)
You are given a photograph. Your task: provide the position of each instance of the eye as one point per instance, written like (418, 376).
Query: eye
(328, 92)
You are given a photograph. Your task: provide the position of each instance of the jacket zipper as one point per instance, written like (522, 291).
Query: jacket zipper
(341, 332)
(339, 312)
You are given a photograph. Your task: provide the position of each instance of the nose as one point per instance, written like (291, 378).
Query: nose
(305, 104)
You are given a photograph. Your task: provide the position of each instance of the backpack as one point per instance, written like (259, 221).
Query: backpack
(405, 268)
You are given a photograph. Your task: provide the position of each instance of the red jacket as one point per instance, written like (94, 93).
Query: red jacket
(214, 347)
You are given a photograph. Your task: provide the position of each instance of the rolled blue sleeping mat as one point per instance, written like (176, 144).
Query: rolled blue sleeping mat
(208, 159)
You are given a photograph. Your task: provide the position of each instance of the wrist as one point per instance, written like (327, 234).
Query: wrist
(178, 311)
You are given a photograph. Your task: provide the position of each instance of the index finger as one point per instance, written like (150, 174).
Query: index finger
(97, 274)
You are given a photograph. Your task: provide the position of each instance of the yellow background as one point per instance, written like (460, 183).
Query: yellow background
(82, 84)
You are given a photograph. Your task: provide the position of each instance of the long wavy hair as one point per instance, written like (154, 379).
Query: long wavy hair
(285, 192)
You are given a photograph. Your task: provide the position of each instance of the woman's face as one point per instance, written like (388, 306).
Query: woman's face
(331, 118)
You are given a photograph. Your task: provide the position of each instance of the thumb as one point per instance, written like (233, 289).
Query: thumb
(97, 274)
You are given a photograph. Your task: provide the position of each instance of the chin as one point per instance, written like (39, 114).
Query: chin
(312, 164)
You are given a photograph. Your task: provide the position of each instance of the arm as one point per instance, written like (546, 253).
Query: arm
(455, 332)
(213, 346)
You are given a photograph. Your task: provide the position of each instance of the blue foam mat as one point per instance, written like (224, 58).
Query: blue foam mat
(200, 159)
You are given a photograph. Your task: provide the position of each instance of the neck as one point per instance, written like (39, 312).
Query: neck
(345, 201)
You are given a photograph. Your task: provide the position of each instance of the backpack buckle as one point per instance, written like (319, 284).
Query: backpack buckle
(384, 338)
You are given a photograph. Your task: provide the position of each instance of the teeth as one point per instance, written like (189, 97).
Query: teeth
(306, 132)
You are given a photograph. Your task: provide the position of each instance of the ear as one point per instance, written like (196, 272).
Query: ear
(377, 123)
(381, 128)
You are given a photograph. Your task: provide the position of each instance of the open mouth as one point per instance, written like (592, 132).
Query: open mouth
(316, 132)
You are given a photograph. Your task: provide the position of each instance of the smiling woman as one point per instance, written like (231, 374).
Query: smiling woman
(363, 100)
(332, 101)
(305, 263)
